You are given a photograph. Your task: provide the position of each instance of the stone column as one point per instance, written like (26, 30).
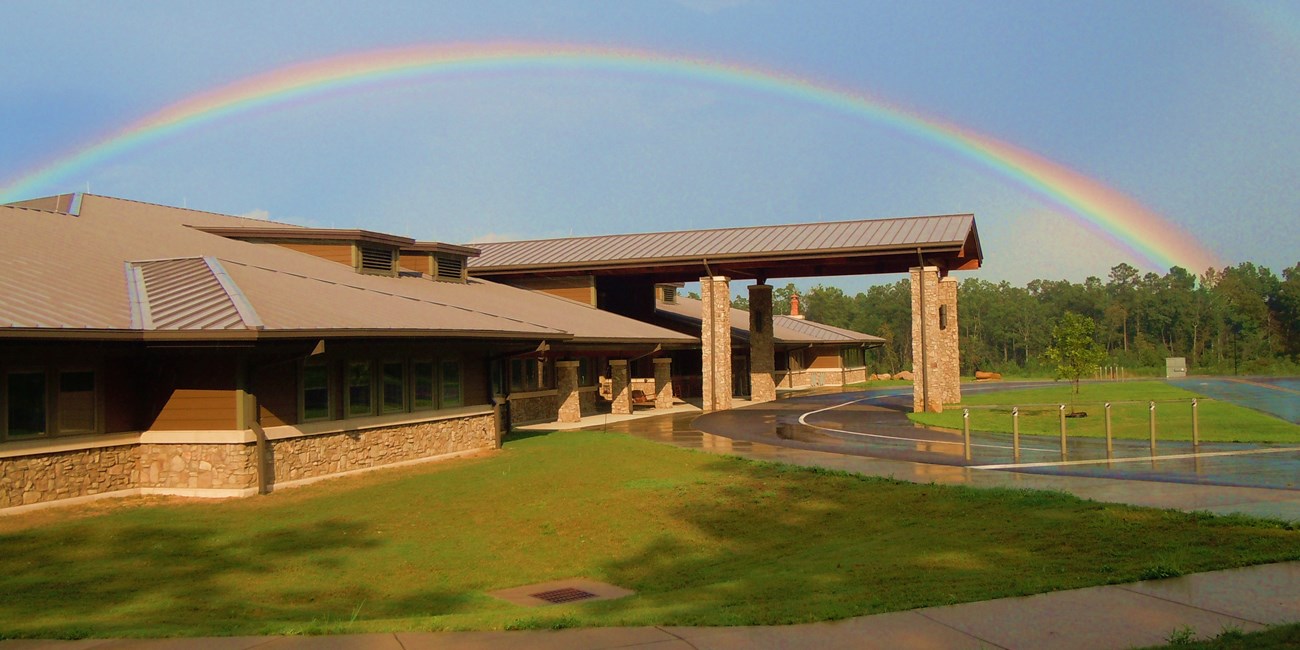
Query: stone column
(949, 354)
(762, 361)
(715, 335)
(925, 339)
(663, 382)
(619, 390)
(566, 388)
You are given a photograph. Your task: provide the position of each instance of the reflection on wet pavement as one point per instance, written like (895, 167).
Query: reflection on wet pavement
(870, 434)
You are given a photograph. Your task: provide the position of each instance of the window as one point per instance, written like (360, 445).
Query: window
(450, 384)
(394, 386)
(853, 357)
(25, 403)
(585, 376)
(360, 391)
(49, 401)
(528, 375)
(422, 386)
(76, 401)
(315, 391)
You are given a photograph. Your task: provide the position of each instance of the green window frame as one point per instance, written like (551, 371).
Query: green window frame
(449, 389)
(392, 376)
(315, 396)
(424, 383)
(360, 389)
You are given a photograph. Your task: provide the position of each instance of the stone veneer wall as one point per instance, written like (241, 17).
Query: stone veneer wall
(198, 466)
(855, 375)
(949, 383)
(926, 347)
(715, 337)
(26, 480)
(230, 468)
(315, 456)
(762, 388)
(538, 408)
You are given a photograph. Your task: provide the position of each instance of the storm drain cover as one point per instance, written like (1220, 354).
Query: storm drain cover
(566, 595)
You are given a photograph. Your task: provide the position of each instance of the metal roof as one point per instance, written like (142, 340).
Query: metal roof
(128, 269)
(785, 330)
(953, 234)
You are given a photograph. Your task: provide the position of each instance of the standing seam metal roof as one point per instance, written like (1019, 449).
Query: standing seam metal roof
(717, 243)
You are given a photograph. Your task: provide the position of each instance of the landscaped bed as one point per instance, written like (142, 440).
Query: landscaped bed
(701, 539)
(1130, 412)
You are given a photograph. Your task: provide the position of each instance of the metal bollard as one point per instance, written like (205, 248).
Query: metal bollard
(1015, 434)
(1152, 422)
(1196, 427)
(1064, 455)
(965, 432)
(1110, 441)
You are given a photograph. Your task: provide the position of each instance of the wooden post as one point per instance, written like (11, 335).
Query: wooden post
(1151, 421)
(1015, 434)
(965, 432)
(1110, 441)
(1064, 454)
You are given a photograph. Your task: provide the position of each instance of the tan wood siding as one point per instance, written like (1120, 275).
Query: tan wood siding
(474, 380)
(824, 358)
(195, 392)
(341, 253)
(580, 288)
(276, 388)
(416, 262)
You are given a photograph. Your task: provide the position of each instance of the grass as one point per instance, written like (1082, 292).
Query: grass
(702, 539)
(1230, 638)
(1039, 413)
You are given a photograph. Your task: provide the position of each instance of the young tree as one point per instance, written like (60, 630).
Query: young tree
(1074, 349)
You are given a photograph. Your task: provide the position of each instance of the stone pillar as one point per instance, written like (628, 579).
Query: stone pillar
(925, 339)
(949, 354)
(663, 382)
(566, 388)
(619, 389)
(762, 361)
(715, 292)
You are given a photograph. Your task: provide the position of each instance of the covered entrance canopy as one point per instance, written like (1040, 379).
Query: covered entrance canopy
(618, 273)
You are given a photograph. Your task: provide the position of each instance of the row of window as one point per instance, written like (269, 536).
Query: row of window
(382, 387)
(48, 401)
(529, 374)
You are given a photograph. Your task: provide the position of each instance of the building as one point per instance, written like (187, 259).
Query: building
(147, 349)
(156, 350)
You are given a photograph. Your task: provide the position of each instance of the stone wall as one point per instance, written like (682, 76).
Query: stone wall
(925, 339)
(762, 388)
(715, 337)
(198, 466)
(949, 382)
(25, 480)
(308, 457)
(855, 375)
(535, 408)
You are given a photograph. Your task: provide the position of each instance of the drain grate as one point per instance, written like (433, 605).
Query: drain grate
(566, 595)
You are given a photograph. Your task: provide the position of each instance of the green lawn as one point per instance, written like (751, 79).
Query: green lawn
(1280, 637)
(702, 539)
(1039, 413)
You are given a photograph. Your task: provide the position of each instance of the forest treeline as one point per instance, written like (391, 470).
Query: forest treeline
(1240, 320)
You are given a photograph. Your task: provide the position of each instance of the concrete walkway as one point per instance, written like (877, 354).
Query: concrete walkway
(1116, 616)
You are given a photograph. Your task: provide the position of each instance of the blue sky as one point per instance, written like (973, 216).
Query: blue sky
(1187, 107)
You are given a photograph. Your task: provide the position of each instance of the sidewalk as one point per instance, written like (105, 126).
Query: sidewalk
(1115, 616)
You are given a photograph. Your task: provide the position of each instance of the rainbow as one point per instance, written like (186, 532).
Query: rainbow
(1124, 222)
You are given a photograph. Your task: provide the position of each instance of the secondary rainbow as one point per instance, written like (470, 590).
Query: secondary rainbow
(1153, 239)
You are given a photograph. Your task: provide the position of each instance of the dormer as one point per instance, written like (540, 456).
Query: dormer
(367, 252)
(442, 262)
(667, 292)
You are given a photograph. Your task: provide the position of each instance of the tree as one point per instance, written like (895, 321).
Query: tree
(1074, 349)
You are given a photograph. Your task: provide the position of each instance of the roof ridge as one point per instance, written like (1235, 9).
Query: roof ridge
(196, 299)
(696, 231)
(189, 209)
